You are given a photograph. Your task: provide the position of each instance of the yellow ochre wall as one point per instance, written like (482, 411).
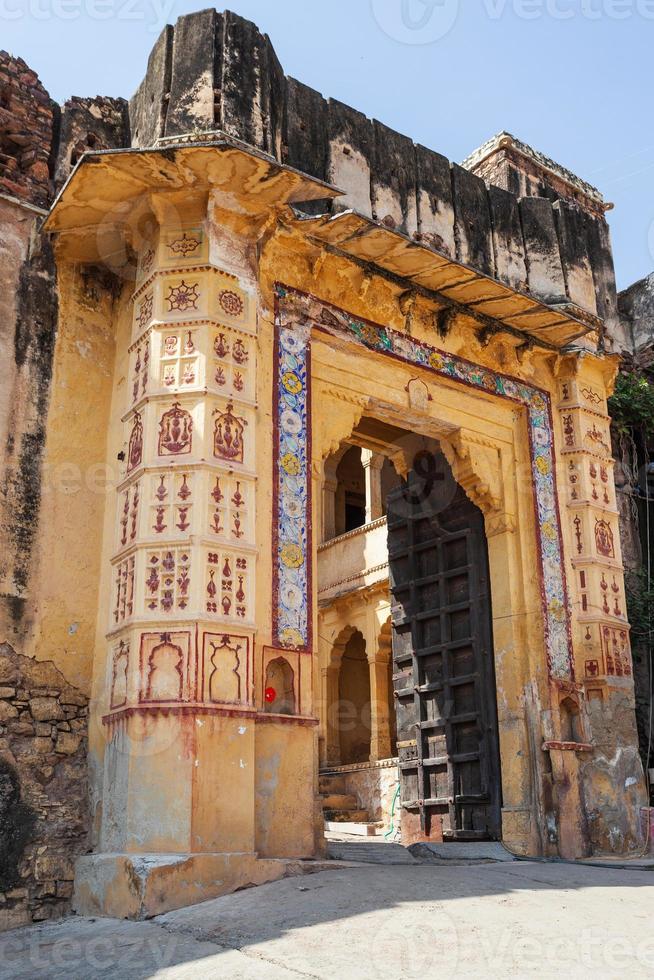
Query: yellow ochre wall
(183, 777)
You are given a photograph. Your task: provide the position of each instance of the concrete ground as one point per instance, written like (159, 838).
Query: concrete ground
(397, 921)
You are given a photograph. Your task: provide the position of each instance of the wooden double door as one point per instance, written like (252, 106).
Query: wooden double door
(443, 671)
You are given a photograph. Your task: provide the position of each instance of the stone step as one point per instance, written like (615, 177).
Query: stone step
(346, 816)
(354, 829)
(340, 801)
(368, 853)
(332, 784)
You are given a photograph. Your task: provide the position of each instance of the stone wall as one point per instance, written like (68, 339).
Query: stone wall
(88, 125)
(40, 142)
(27, 120)
(43, 783)
(636, 305)
(43, 788)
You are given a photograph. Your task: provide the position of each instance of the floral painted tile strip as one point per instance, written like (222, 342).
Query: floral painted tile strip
(373, 337)
(292, 490)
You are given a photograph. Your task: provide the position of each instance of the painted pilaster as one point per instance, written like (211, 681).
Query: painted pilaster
(181, 625)
(598, 708)
(599, 607)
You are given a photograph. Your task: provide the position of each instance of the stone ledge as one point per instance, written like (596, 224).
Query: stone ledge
(567, 747)
(139, 886)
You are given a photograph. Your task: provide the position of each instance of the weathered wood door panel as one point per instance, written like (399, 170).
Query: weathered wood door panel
(443, 673)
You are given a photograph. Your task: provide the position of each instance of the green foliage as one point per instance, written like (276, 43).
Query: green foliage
(640, 606)
(632, 405)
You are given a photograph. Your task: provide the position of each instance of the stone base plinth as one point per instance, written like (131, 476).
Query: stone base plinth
(138, 886)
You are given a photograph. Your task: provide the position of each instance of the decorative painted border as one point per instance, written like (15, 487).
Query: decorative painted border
(292, 537)
(292, 353)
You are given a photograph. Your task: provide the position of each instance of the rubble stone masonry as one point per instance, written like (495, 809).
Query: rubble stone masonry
(27, 117)
(43, 788)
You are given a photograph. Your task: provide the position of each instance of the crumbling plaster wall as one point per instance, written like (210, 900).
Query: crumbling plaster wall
(44, 680)
(636, 305)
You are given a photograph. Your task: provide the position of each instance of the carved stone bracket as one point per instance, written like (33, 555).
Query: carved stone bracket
(477, 466)
(335, 423)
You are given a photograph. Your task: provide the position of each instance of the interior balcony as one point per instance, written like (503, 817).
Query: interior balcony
(352, 561)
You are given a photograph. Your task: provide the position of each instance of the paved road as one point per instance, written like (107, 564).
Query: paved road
(370, 923)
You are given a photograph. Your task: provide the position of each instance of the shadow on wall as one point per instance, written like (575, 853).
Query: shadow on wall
(17, 821)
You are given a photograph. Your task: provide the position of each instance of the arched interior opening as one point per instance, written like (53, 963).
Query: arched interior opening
(280, 688)
(354, 702)
(350, 512)
(387, 720)
(571, 725)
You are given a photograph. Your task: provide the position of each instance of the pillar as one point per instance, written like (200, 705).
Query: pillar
(331, 702)
(329, 487)
(380, 742)
(372, 466)
(178, 705)
(611, 781)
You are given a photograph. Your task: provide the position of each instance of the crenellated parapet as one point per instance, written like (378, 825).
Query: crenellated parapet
(214, 74)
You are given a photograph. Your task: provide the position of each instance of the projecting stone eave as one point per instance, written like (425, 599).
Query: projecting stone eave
(128, 181)
(460, 287)
(252, 183)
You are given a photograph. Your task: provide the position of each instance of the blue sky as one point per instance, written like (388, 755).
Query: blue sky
(574, 78)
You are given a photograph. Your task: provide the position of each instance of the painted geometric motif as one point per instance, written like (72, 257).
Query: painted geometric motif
(292, 518)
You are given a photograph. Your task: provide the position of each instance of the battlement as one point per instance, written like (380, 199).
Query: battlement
(545, 235)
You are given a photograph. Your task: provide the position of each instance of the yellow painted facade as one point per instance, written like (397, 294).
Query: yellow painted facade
(173, 564)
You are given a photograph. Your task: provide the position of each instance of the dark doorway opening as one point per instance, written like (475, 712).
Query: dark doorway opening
(443, 669)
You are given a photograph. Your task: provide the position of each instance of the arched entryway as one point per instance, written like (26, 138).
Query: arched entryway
(359, 707)
(354, 713)
(443, 658)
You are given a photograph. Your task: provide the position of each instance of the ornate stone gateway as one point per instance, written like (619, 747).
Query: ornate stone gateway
(232, 310)
(444, 677)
